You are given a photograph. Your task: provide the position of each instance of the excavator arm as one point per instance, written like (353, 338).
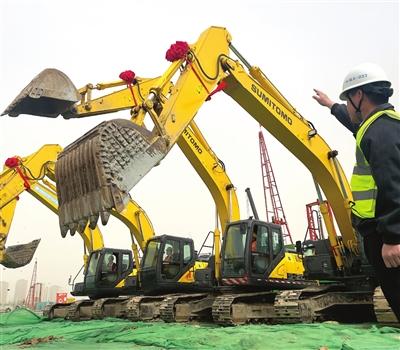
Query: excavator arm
(29, 174)
(300, 137)
(123, 153)
(143, 96)
(206, 64)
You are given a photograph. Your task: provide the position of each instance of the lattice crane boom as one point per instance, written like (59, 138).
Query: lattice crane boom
(276, 214)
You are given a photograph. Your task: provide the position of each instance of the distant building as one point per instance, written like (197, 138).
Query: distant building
(45, 293)
(3, 293)
(21, 291)
(53, 290)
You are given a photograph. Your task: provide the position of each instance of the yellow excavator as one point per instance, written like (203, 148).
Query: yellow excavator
(100, 284)
(212, 171)
(122, 152)
(34, 174)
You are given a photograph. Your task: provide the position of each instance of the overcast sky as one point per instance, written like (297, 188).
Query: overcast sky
(300, 45)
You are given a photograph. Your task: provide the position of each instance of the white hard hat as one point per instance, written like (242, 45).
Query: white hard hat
(362, 74)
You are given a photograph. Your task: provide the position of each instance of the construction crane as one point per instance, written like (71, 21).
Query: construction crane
(314, 226)
(276, 214)
(35, 290)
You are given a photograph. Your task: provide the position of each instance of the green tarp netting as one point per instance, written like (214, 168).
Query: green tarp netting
(31, 332)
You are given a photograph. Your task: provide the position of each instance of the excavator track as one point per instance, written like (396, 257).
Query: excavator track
(281, 307)
(97, 309)
(383, 312)
(109, 307)
(221, 309)
(236, 309)
(313, 305)
(167, 309)
(53, 311)
(143, 308)
(185, 307)
(80, 310)
(287, 307)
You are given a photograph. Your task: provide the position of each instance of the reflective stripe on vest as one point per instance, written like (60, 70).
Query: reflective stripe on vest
(362, 182)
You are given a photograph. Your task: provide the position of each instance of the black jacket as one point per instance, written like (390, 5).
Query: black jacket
(381, 147)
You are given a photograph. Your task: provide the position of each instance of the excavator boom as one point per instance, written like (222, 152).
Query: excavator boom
(95, 173)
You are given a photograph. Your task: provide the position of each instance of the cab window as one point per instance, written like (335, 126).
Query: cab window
(171, 265)
(277, 241)
(151, 255)
(187, 253)
(125, 262)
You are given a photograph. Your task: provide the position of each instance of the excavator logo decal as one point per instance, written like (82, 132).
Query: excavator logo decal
(193, 141)
(268, 101)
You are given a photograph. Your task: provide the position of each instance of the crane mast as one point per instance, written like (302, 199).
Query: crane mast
(35, 290)
(276, 214)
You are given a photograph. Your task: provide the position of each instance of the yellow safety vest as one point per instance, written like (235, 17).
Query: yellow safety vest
(362, 182)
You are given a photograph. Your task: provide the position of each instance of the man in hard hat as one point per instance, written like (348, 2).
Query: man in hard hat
(375, 182)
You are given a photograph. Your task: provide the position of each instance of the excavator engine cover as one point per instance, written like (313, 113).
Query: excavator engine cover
(49, 94)
(95, 173)
(19, 255)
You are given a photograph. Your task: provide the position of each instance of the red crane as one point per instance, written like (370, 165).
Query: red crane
(35, 291)
(276, 213)
(314, 228)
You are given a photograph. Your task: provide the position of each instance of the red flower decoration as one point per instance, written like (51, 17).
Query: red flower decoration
(12, 162)
(177, 51)
(128, 76)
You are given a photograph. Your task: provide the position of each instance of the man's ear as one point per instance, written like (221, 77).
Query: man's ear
(360, 93)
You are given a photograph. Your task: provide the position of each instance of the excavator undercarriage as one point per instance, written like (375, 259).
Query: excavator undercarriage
(274, 307)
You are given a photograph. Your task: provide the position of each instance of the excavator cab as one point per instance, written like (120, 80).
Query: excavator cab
(167, 264)
(105, 271)
(251, 252)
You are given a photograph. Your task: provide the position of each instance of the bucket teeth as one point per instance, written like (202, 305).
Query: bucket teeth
(93, 221)
(64, 230)
(96, 172)
(81, 226)
(72, 228)
(49, 94)
(105, 216)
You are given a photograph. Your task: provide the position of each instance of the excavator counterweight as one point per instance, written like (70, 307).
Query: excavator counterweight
(104, 164)
(49, 94)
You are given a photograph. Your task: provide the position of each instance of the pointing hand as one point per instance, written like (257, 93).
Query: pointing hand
(323, 99)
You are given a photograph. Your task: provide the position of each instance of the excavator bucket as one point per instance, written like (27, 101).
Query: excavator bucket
(95, 173)
(19, 255)
(49, 94)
